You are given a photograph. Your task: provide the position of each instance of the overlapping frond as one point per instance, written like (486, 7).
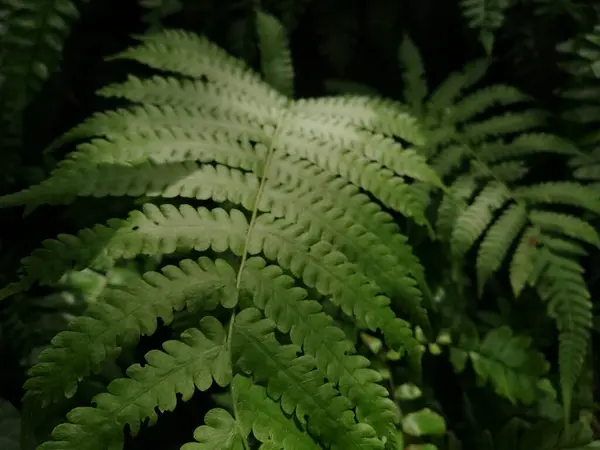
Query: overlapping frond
(287, 178)
(481, 152)
(583, 102)
(193, 362)
(505, 360)
(293, 379)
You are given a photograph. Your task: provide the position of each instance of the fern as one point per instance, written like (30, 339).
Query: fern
(287, 177)
(29, 58)
(506, 361)
(482, 157)
(583, 97)
(485, 16)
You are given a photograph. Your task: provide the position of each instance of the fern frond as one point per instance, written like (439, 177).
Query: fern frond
(311, 210)
(505, 360)
(486, 16)
(483, 160)
(195, 56)
(120, 317)
(257, 412)
(169, 229)
(31, 46)
(569, 303)
(192, 363)
(312, 330)
(221, 430)
(415, 83)
(276, 60)
(293, 171)
(298, 385)
(474, 220)
(563, 193)
(257, 409)
(496, 243)
(456, 84)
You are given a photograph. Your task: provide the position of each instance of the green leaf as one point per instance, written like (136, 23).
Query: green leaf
(508, 362)
(220, 432)
(408, 391)
(424, 422)
(276, 59)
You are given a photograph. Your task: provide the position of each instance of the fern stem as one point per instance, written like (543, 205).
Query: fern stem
(238, 282)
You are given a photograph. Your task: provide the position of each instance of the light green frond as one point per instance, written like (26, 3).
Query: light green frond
(275, 56)
(195, 56)
(312, 330)
(120, 317)
(185, 92)
(167, 229)
(497, 241)
(317, 215)
(378, 115)
(192, 363)
(300, 388)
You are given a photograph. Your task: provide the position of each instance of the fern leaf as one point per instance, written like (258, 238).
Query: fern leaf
(453, 86)
(526, 144)
(300, 388)
(221, 430)
(486, 16)
(569, 303)
(565, 192)
(119, 318)
(481, 100)
(524, 260)
(507, 361)
(186, 365)
(415, 84)
(322, 219)
(31, 48)
(169, 229)
(509, 123)
(269, 424)
(312, 330)
(276, 60)
(496, 243)
(473, 221)
(195, 56)
(377, 115)
(565, 224)
(448, 211)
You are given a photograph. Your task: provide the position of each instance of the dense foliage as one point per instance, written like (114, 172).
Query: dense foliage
(359, 224)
